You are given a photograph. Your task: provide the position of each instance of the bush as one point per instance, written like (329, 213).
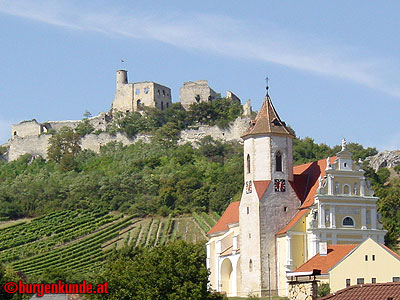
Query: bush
(174, 271)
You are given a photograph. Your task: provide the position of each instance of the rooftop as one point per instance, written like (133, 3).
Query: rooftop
(325, 262)
(369, 291)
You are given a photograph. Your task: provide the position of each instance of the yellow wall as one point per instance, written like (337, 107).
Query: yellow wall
(384, 268)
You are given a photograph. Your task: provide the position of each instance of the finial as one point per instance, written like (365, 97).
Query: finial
(267, 86)
(344, 145)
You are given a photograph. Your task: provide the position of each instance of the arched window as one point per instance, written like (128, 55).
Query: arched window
(278, 162)
(348, 222)
(248, 163)
(15, 133)
(250, 266)
(162, 105)
(346, 189)
(139, 103)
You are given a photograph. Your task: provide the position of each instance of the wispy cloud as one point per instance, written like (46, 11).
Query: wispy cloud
(216, 34)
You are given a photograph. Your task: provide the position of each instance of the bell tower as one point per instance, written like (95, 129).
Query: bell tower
(268, 146)
(268, 201)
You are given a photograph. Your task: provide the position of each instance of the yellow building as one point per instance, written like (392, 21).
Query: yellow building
(345, 265)
(286, 214)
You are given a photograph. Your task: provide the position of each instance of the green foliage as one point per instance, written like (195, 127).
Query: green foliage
(166, 124)
(323, 289)
(383, 175)
(8, 275)
(84, 127)
(174, 271)
(306, 150)
(139, 179)
(64, 145)
(220, 112)
(87, 114)
(3, 150)
(397, 169)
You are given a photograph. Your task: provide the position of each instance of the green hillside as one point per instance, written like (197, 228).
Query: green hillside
(80, 240)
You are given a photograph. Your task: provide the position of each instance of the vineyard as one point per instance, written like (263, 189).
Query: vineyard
(80, 240)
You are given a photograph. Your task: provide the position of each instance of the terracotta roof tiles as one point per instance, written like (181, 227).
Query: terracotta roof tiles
(268, 121)
(293, 221)
(325, 262)
(230, 216)
(369, 291)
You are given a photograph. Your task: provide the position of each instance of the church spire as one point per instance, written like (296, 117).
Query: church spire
(268, 121)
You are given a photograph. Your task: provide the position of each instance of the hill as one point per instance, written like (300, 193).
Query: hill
(78, 241)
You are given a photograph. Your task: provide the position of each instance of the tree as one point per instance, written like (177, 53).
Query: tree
(87, 114)
(84, 127)
(63, 147)
(323, 290)
(174, 271)
(8, 275)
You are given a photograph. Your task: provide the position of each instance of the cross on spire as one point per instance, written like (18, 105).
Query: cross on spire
(267, 81)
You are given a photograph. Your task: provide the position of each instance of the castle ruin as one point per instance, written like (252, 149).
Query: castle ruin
(33, 137)
(134, 96)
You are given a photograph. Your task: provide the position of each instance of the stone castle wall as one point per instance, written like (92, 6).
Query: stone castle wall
(231, 133)
(38, 144)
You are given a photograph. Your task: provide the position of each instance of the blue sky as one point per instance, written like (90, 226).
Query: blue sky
(334, 66)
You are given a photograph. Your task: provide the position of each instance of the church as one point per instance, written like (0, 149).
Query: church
(287, 214)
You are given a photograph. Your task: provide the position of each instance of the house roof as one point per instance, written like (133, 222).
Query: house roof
(306, 180)
(293, 221)
(230, 216)
(325, 262)
(369, 291)
(391, 251)
(268, 121)
(336, 253)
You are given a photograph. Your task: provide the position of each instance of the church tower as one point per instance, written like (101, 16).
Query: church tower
(268, 199)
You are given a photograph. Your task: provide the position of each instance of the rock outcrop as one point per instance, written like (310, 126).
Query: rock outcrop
(384, 159)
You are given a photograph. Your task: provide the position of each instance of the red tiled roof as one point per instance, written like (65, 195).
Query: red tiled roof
(293, 221)
(391, 251)
(230, 216)
(368, 291)
(261, 186)
(306, 180)
(325, 262)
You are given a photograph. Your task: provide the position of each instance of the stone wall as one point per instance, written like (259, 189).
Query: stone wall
(35, 145)
(26, 128)
(38, 144)
(303, 290)
(232, 133)
(196, 92)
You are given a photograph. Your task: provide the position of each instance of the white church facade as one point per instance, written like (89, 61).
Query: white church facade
(286, 213)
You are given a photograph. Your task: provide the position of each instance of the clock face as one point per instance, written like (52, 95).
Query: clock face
(249, 187)
(280, 185)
